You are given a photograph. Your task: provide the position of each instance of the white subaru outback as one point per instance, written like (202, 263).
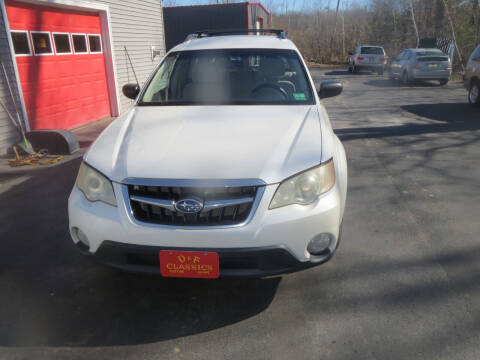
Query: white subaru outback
(226, 165)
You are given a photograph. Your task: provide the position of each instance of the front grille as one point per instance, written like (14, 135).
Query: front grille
(224, 206)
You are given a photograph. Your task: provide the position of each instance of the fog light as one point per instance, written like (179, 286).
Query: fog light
(80, 235)
(319, 244)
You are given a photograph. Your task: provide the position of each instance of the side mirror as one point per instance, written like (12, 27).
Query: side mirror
(330, 88)
(131, 90)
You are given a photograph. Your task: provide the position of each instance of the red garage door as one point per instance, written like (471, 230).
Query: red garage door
(61, 65)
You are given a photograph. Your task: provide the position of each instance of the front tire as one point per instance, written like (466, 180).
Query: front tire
(474, 94)
(443, 82)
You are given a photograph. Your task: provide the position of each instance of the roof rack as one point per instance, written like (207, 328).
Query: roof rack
(208, 33)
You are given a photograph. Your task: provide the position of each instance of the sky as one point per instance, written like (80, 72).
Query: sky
(275, 5)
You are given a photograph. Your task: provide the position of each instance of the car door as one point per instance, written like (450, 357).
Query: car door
(473, 65)
(396, 63)
(407, 57)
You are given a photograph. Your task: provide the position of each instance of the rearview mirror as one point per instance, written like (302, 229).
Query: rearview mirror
(131, 90)
(330, 88)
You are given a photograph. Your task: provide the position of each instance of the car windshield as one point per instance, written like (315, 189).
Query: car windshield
(372, 50)
(245, 76)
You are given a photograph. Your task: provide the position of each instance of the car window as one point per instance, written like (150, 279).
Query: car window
(242, 76)
(371, 50)
(476, 54)
(429, 53)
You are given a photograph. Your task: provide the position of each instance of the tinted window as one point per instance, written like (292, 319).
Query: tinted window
(62, 43)
(20, 43)
(246, 76)
(79, 43)
(433, 58)
(476, 54)
(429, 53)
(371, 50)
(94, 43)
(41, 43)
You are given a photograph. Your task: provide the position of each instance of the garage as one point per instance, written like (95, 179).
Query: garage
(61, 64)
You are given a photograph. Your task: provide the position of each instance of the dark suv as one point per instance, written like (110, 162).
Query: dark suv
(472, 78)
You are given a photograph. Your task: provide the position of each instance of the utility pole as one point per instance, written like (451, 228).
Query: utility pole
(343, 35)
(412, 14)
(334, 29)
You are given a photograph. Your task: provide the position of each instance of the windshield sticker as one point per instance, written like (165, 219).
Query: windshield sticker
(299, 96)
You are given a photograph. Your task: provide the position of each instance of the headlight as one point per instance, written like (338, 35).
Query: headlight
(306, 187)
(95, 186)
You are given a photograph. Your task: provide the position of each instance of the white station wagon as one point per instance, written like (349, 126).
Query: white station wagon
(226, 165)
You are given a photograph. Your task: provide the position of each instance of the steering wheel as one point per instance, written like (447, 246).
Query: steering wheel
(270, 86)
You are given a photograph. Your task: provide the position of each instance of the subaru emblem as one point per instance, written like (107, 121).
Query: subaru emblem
(189, 206)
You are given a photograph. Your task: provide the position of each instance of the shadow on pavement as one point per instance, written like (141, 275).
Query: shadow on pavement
(384, 83)
(338, 72)
(448, 112)
(451, 117)
(390, 82)
(51, 295)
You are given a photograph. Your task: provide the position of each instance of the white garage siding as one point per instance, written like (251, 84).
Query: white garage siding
(8, 134)
(137, 24)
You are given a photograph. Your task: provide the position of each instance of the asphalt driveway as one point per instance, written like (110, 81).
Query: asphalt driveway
(403, 285)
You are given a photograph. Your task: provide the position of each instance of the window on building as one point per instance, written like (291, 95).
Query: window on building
(21, 45)
(41, 43)
(62, 43)
(79, 43)
(94, 41)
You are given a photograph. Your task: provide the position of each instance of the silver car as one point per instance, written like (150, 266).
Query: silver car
(472, 78)
(421, 64)
(366, 57)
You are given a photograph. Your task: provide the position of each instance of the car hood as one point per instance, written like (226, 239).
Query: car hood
(269, 143)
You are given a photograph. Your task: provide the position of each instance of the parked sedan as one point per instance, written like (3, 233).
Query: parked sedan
(472, 78)
(421, 64)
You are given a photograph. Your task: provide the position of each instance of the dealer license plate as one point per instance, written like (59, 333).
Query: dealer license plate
(189, 264)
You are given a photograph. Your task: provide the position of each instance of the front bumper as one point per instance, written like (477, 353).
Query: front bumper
(241, 263)
(273, 242)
